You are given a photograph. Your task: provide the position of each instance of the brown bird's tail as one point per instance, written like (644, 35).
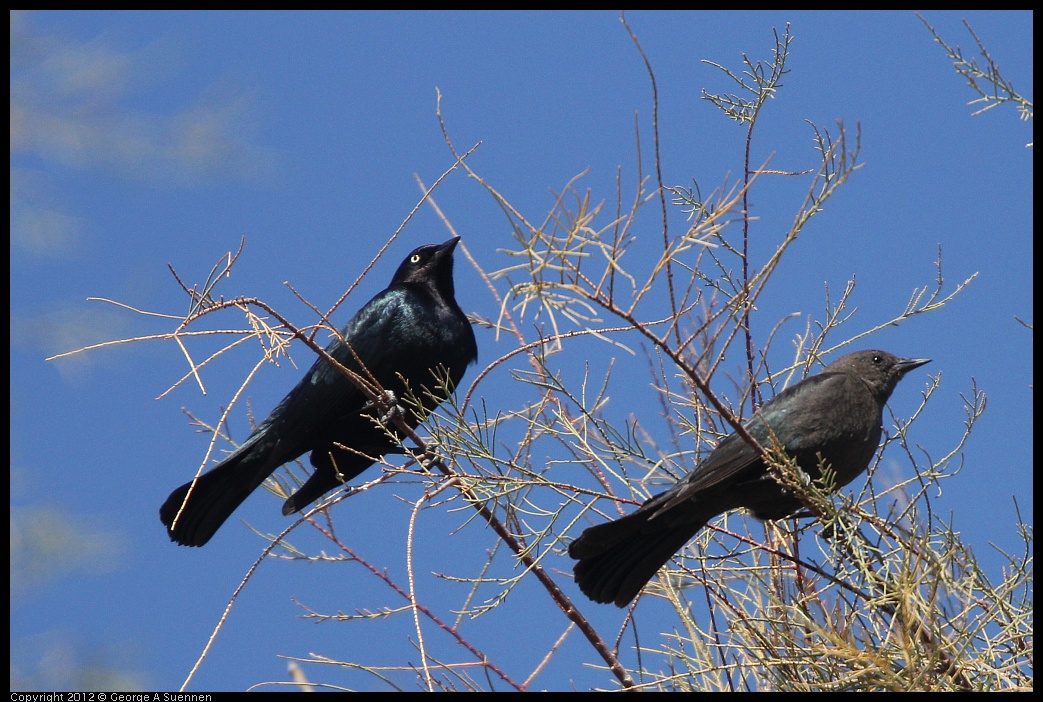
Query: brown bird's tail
(618, 558)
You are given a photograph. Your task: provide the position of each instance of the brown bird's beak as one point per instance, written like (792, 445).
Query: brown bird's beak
(907, 364)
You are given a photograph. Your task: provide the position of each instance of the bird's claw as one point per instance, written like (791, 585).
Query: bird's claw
(389, 401)
(394, 411)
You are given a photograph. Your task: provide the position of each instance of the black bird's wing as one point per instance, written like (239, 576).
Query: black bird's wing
(324, 398)
(377, 350)
(323, 407)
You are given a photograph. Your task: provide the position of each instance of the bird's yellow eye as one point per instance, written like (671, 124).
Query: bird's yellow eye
(415, 258)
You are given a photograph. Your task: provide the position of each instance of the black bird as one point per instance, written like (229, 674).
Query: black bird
(412, 331)
(836, 416)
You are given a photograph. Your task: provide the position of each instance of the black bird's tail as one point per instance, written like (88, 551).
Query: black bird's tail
(216, 495)
(618, 558)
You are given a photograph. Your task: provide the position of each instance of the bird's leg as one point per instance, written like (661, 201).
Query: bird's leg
(395, 410)
(428, 459)
(835, 529)
(388, 404)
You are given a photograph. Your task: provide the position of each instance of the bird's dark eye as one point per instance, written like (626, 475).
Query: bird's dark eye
(415, 258)
(877, 360)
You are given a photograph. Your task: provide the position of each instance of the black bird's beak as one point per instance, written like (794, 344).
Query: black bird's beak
(907, 364)
(442, 252)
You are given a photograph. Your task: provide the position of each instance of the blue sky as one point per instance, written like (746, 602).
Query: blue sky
(140, 139)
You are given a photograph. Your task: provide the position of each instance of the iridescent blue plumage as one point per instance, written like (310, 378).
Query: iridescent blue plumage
(412, 333)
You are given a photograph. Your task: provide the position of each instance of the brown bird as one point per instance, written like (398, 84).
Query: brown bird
(835, 416)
